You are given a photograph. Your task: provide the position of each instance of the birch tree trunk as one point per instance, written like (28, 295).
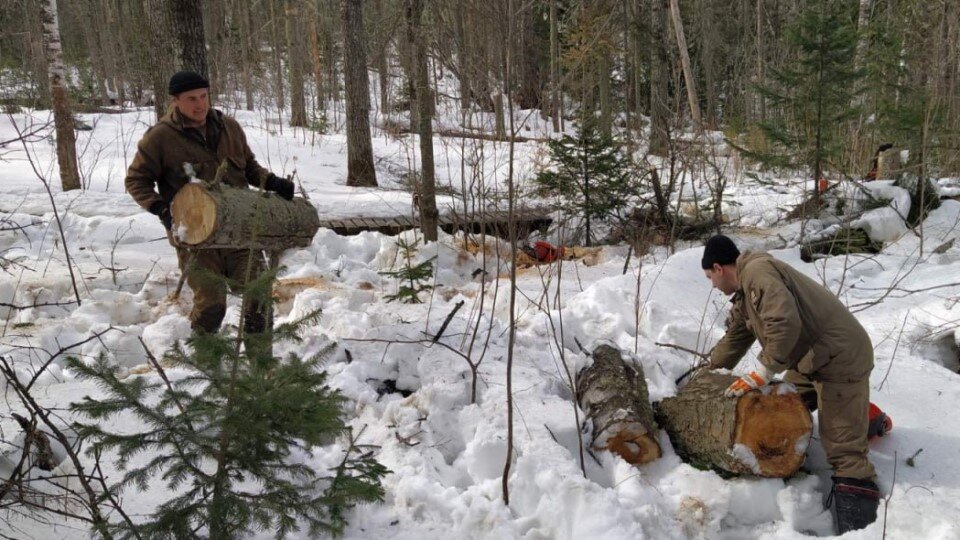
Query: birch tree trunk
(360, 171)
(62, 117)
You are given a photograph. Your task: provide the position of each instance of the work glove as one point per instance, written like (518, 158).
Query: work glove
(280, 186)
(750, 381)
(161, 209)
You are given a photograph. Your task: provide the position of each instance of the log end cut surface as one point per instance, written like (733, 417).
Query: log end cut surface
(634, 444)
(775, 429)
(196, 211)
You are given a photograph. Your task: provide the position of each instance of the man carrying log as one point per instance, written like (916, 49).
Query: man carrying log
(195, 137)
(807, 333)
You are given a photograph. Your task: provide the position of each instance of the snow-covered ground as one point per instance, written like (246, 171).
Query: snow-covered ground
(446, 452)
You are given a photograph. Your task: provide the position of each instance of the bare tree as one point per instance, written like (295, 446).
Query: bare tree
(427, 190)
(360, 171)
(62, 117)
(295, 63)
(685, 62)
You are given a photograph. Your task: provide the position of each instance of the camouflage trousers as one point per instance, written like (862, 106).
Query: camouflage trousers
(844, 420)
(211, 273)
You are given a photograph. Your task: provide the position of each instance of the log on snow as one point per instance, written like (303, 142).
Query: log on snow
(764, 432)
(614, 395)
(220, 216)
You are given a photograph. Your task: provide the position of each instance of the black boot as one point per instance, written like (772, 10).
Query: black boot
(854, 503)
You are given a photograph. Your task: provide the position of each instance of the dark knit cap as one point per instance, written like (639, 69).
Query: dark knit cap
(719, 250)
(184, 81)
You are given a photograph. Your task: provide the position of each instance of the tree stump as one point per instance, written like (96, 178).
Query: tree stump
(614, 395)
(220, 216)
(764, 433)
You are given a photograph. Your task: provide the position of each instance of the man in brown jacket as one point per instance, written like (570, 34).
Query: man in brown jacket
(806, 333)
(194, 139)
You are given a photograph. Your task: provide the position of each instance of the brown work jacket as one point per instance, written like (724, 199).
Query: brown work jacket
(800, 324)
(157, 171)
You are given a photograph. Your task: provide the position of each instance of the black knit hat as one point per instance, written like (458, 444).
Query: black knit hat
(719, 250)
(184, 81)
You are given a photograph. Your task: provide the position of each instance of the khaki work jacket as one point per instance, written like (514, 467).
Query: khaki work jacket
(800, 324)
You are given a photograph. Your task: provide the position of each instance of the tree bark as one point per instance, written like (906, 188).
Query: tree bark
(422, 97)
(360, 171)
(221, 216)
(659, 81)
(187, 16)
(613, 395)
(295, 63)
(380, 54)
(763, 434)
(62, 117)
(554, 67)
(164, 52)
(691, 84)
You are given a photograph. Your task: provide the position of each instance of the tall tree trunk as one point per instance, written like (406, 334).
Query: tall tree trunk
(247, 39)
(188, 28)
(298, 104)
(316, 65)
(164, 57)
(360, 171)
(659, 81)
(691, 84)
(427, 196)
(276, 44)
(62, 117)
(603, 91)
(554, 67)
(380, 54)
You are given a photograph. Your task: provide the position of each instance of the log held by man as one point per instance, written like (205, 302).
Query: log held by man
(219, 216)
(614, 396)
(761, 433)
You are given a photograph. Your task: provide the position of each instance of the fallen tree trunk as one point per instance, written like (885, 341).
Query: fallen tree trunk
(845, 241)
(760, 433)
(220, 216)
(614, 396)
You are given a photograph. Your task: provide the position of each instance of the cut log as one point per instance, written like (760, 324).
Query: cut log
(614, 396)
(764, 433)
(220, 216)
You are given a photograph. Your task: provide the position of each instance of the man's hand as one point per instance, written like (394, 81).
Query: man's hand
(741, 386)
(280, 186)
(161, 209)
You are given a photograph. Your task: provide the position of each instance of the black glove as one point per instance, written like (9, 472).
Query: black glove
(280, 186)
(161, 209)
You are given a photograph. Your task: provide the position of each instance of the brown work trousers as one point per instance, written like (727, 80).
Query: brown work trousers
(844, 410)
(210, 274)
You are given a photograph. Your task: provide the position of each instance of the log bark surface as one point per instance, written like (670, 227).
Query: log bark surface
(759, 434)
(219, 216)
(614, 395)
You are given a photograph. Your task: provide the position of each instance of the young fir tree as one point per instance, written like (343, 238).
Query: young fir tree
(412, 279)
(592, 177)
(227, 439)
(814, 92)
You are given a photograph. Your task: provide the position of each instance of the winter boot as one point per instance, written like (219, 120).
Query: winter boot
(880, 423)
(854, 503)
